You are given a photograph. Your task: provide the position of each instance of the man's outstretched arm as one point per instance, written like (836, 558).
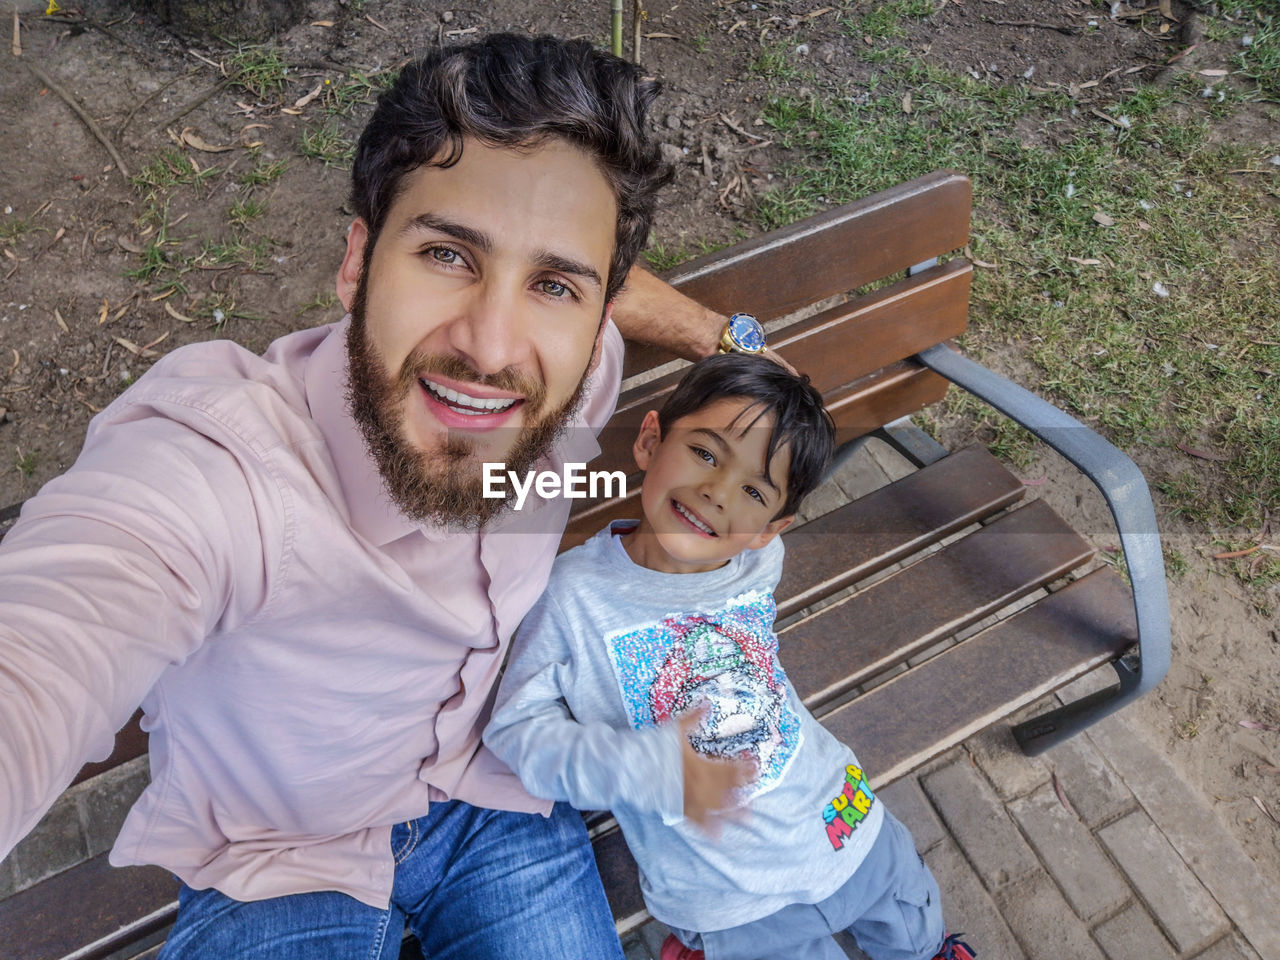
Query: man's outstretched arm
(650, 310)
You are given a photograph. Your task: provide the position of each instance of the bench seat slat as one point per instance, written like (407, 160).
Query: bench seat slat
(882, 527)
(92, 903)
(989, 676)
(829, 653)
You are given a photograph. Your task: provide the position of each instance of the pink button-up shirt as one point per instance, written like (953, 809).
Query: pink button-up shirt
(313, 666)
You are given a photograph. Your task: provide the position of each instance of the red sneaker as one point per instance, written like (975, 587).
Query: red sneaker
(673, 949)
(953, 948)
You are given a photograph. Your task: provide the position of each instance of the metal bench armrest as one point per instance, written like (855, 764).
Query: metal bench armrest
(1129, 499)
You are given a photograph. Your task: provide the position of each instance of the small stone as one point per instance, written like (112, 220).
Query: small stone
(447, 16)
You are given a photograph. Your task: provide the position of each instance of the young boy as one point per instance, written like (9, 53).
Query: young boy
(646, 681)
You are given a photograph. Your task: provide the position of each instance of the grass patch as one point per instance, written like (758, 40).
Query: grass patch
(171, 169)
(327, 144)
(884, 19)
(662, 258)
(321, 301)
(14, 227)
(259, 70)
(1157, 330)
(25, 463)
(263, 172)
(355, 89)
(245, 210)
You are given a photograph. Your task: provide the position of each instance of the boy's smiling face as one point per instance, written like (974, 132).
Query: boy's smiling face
(709, 492)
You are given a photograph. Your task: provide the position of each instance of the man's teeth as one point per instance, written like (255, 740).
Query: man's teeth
(472, 406)
(692, 519)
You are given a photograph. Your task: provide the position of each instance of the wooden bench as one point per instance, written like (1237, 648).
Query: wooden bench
(876, 588)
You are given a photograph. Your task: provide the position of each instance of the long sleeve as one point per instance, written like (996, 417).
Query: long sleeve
(115, 570)
(589, 763)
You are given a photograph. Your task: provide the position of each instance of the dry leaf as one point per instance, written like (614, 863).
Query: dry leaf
(661, 36)
(61, 323)
(136, 350)
(163, 296)
(906, 102)
(322, 23)
(1263, 807)
(740, 23)
(1213, 73)
(307, 98)
(1258, 724)
(193, 139)
(1202, 454)
(291, 111)
(168, 308)
(1104, 220)
(127, 244)
(1085, 261)
(102, 313)
(817, 13)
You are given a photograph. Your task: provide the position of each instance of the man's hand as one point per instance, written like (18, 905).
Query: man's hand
(709, 784)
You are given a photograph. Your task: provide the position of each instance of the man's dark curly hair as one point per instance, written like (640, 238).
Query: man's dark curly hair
(517, 92)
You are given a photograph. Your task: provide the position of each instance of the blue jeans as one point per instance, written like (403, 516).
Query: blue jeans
(470, 882)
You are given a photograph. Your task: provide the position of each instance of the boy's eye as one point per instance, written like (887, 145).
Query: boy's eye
(703, 454)
(754, 494)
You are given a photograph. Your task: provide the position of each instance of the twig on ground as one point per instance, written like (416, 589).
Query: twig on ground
(161, 89)
(88, 120)
(216, 88)
(1069, 31)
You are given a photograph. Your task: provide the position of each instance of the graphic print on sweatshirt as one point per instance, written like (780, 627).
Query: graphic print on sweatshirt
(725, 661)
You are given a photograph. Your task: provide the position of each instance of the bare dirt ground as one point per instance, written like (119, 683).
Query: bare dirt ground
(76, 327)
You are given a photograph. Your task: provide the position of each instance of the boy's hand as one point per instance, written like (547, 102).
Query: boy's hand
(709, 784)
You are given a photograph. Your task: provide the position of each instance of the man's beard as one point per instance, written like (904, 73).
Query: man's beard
(443, 485)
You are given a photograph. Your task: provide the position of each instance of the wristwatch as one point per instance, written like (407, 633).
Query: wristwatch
(742, 334)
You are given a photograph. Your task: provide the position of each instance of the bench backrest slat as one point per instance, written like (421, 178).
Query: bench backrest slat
(831, 253)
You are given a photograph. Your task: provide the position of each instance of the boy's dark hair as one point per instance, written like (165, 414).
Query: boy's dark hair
(517, 92)
(800, 421)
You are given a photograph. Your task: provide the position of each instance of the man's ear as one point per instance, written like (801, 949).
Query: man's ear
(771, 530)
(595, 351)
(647, 441)
(352, 262)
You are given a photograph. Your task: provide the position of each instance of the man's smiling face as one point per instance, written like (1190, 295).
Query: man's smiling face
(475, 319)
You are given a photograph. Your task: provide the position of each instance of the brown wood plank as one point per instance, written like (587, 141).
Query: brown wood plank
(831, 652)
(899, 725)
(131, 742)
(832, 252)
(619, 872)
(896, 391)
(834, 347)
(92, 903)
(848, 544)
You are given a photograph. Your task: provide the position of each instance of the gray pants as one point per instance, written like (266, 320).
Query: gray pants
(890, 905)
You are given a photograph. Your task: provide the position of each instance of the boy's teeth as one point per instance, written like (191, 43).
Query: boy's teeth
(472, 406)
(692, 519)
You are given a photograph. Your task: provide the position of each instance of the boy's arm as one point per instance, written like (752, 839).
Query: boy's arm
(588, 763)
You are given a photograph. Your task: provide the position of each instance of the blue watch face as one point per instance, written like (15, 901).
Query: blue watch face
(746, 332)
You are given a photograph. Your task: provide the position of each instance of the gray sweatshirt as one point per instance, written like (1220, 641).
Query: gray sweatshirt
(599, 669)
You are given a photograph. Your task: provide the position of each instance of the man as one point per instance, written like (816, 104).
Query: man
(286, 560)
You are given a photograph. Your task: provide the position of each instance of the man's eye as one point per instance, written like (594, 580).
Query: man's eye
(554, 288)
(443, 255)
